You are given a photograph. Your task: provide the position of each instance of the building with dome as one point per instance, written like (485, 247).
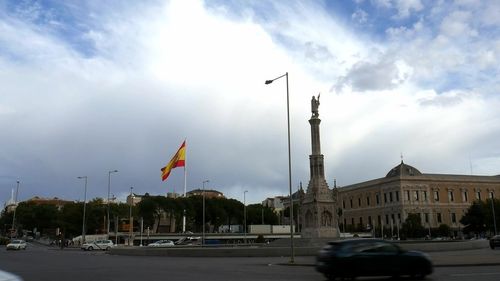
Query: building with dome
(436, 198)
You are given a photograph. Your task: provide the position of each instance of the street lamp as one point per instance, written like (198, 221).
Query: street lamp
(493, 211)
(203, 231)
(245, 214)
(130, 217)
(109, 190)
(289, 161)
(14, 215)
(84, 208)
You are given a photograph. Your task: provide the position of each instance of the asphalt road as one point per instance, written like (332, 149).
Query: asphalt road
(41, 263)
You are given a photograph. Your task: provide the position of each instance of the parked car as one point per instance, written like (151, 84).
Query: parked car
(162, 244)
(188, 241)
(104, 245)
(16, 245)
(495, 241)
(370, 257)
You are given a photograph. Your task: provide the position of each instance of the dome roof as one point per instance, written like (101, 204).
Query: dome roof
(403, 170)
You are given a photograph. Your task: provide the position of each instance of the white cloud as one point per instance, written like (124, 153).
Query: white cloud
(457, 24)
(180, 69)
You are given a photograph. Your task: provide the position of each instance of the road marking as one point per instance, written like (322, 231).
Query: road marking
(475, 274)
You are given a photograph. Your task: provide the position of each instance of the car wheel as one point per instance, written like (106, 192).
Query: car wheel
(90, 248)
(108, 248)
(330, 277)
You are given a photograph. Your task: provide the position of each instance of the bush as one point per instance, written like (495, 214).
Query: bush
(260, 239)
(4, 240)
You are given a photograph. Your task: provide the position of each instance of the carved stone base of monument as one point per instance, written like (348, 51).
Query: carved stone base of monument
(318, 209)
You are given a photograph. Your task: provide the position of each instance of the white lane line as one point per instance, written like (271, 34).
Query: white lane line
(475, 274)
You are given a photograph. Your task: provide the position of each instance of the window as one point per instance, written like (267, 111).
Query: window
(379, 220)
(407, 195)
(425, 195)
(426, 217)
(436, 195)
(359, 202)
(361, 221)
(343, 204)
(453, 218)
(352, 221)
(415, 194)
(390, 196)
(385, 197)
(370, 220)
(367, 201)
(438, 216)
(350, 202)
(478, 195)
(465, 197)
(397, 196)
(377, 197)
(451, 198)
(492, 195)
(399, 217)
(386, 219)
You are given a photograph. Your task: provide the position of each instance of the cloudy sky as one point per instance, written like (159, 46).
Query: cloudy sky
(87, 87)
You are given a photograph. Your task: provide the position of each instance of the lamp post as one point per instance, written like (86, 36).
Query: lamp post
(493, 211)
(14, 215)
(130, 224)
(203, 227)
(84, 208)
(245, 215)
(109, 191)
(292, 258)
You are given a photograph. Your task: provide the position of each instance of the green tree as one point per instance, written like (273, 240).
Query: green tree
(443, 230)
(30, 216)
(475, 218)
(412, 226)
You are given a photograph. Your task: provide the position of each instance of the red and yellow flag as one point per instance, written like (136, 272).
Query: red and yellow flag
(179, 160)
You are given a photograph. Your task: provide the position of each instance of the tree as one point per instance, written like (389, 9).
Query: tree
(443, 230)
(412, 227)
(474, 219)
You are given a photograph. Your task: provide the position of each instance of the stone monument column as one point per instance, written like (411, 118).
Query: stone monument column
(318, 206)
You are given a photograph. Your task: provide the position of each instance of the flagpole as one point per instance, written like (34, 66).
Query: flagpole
(185, 180)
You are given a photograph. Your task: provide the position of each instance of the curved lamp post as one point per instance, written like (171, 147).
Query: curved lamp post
(84, 208)
(203, 227)
(245, 214)
(14, 215)
(292, 255)
(109, 190)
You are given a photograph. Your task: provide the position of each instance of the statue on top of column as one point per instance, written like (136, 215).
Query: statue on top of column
(315, 105)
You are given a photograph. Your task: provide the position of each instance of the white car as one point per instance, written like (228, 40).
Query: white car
(162, 243)
(5, 276)
(16, 245)
(104, 245)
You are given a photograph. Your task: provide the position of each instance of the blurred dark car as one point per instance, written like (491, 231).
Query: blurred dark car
(495, 241)
(370, 257)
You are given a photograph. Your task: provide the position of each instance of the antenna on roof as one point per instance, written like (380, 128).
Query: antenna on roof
(401, 157)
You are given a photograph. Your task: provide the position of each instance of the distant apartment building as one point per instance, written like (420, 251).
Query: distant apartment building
(436, 198)
(276, 203)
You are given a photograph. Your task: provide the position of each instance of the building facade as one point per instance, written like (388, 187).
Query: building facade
(436, 198)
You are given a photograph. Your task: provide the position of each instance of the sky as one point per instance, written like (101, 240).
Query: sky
(88, 87)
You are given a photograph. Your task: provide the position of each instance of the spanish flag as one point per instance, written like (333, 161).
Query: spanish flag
(179, 160)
